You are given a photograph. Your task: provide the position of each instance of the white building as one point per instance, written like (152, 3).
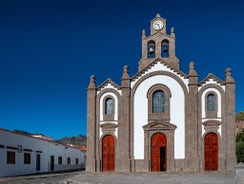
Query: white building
(23, 154)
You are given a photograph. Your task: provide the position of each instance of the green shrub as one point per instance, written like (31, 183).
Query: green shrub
(240, 147)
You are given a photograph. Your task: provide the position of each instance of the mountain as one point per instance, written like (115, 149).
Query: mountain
(78, 140)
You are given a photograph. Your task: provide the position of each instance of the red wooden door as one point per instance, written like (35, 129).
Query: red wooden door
(211, 152)
(108, 153)
(158, 152)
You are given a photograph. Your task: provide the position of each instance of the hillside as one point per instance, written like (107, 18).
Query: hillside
(75, 140)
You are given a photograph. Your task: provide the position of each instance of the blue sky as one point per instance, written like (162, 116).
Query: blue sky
(49, 49)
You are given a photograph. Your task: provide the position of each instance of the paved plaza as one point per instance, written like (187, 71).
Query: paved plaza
(83, 177)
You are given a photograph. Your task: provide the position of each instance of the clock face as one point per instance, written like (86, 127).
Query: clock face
(158, 24)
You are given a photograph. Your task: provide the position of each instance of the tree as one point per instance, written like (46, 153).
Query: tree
(240, 146)
(240, 116)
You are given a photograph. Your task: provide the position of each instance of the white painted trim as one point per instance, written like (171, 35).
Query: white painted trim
(219, 130)
(115, 105)
(219, 113)
(213, 119)
(160, 67)
(101, 132)
(211, 81)
(109, 86)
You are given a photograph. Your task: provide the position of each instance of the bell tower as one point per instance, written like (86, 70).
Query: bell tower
(158, 44)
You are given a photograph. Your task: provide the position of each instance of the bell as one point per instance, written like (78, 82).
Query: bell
(165, 49)
(151, 51)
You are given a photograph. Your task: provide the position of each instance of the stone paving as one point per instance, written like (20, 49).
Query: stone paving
(152, 178)
(127, 178)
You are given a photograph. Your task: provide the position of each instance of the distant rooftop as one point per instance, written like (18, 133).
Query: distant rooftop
(41, 136)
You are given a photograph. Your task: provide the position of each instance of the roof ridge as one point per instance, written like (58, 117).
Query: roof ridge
(211, 76)
(150, 65)
(108, 81)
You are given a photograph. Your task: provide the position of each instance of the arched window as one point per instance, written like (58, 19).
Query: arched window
(165, 48)
(109, 106)
(151, 49)
(158, 102)
(210, 102)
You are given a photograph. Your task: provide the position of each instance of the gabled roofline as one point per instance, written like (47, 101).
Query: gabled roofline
(108, 81)
(149, 66)
(163, 125)
(211, 76)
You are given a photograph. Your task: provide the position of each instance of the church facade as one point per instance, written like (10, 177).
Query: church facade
(161, 119)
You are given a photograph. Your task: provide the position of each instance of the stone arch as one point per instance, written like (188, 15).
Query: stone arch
(167, 95)
(221, 98)
(211, 113)
(165, 48)
(151, 46)
(177, 79)
(118, 96)
(166, 73)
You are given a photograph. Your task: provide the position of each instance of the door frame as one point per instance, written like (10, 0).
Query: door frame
(168, 129)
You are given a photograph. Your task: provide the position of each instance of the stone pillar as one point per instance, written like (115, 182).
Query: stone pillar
(143, 61)
(123, 154)
(172, 43)
(91, 125)
(192, 127)
(144, 45)
(230, 111)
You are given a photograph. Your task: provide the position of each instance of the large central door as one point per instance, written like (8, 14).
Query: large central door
(108, 153)
(158, 152)
(211, 152)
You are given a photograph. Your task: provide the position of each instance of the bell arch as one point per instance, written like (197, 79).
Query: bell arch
(165, 48)
(151, 49)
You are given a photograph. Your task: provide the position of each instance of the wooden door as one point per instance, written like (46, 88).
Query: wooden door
(211, 152)
(108, 153)
(158, 152)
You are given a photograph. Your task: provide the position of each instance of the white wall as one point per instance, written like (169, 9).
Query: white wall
(177, 114)
(219, 113)
(47, 148)
(115, 121)
(160, 67)
(203, 97)
(115, 105)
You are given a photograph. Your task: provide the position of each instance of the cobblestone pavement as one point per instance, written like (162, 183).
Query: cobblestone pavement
(125, 178)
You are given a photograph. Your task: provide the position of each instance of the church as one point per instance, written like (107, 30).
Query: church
(161, 119)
